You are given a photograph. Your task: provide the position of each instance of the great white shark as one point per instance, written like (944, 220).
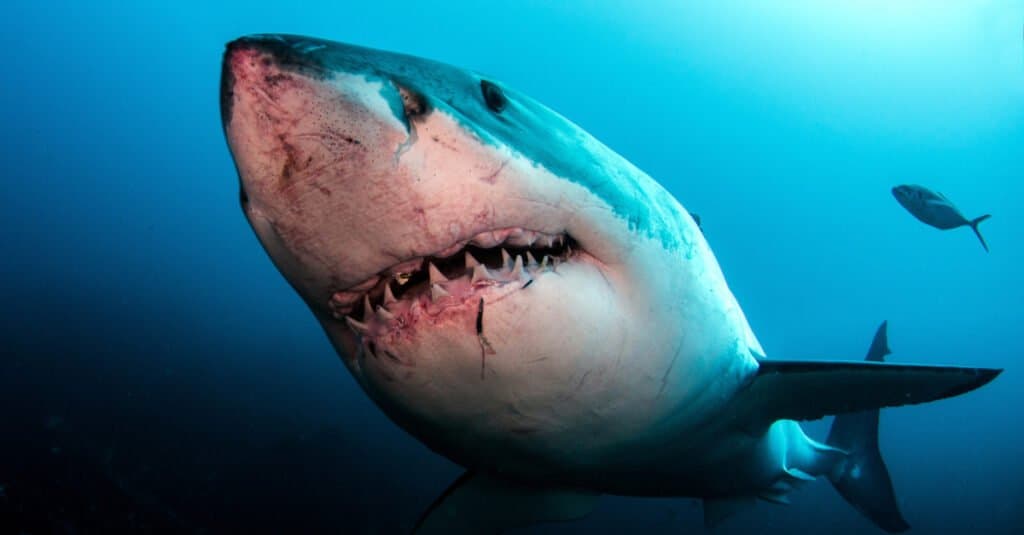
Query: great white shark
(528, 303)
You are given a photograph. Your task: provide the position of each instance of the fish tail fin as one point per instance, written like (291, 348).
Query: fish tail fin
(974, 227)
(862, 478)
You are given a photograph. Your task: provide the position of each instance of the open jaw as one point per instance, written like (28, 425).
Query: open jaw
(496, 263)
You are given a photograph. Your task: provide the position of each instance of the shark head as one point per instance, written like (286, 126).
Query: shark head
(508, 289)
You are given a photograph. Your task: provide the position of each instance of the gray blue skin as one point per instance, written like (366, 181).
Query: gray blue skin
(935, 209)
(604, 355)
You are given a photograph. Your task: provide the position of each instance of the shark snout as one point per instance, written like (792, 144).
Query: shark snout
(299, 114)
(253, 57)
(328, 179)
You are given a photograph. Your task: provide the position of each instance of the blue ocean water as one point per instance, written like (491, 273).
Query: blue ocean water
(159, 374)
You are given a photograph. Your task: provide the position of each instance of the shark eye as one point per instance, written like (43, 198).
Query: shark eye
(493, 96)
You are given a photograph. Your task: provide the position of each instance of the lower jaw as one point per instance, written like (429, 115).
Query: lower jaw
(459, 304)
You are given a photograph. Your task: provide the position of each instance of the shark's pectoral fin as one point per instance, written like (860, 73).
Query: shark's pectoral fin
(808, 390)
(481, 503)
(718, 510)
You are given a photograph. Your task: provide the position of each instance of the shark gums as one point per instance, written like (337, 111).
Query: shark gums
(528, 303)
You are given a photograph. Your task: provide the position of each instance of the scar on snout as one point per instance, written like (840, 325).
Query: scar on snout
(485, 345)
(493, 177)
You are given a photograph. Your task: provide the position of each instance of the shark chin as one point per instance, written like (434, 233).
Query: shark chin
(528, 303)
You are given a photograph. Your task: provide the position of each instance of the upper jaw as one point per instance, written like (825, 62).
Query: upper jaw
(495, 255)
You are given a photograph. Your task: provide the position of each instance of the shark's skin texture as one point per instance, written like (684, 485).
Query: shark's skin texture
(349, 209)
(613, 372)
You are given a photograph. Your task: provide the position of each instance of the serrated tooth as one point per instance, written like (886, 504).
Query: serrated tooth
(367, 309)
(485, 240)
(437, 292)
(501, 235)
(435, 274)
(389, 297)
(470, 261)
(480, 273)
(506, 259)
(568, 251)
(384, 313)
(521, 238)
(530, 260)
(544, 262)
(529, 237)
(359, 328)
(517, 268)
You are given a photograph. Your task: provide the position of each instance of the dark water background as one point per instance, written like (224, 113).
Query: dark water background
(158, 374)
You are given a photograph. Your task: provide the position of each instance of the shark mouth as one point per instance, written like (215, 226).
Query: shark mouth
(406, 293)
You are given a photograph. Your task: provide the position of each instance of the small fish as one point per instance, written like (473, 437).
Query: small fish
(935, 209)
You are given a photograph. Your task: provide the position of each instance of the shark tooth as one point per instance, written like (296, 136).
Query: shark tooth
(470, 261)
(500, 235)
(485, 239)
(437, 292)
(384, 313)
(521, 238)
(359, 328)
(435, 274)
(367, 308)
(517, 268)
(544, 262)
(529, 237)
(480, 273)
(530, 260)
(389, 297)
(506, 259)
(366, 347)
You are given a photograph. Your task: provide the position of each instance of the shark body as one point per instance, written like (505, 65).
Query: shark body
(518, 296)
